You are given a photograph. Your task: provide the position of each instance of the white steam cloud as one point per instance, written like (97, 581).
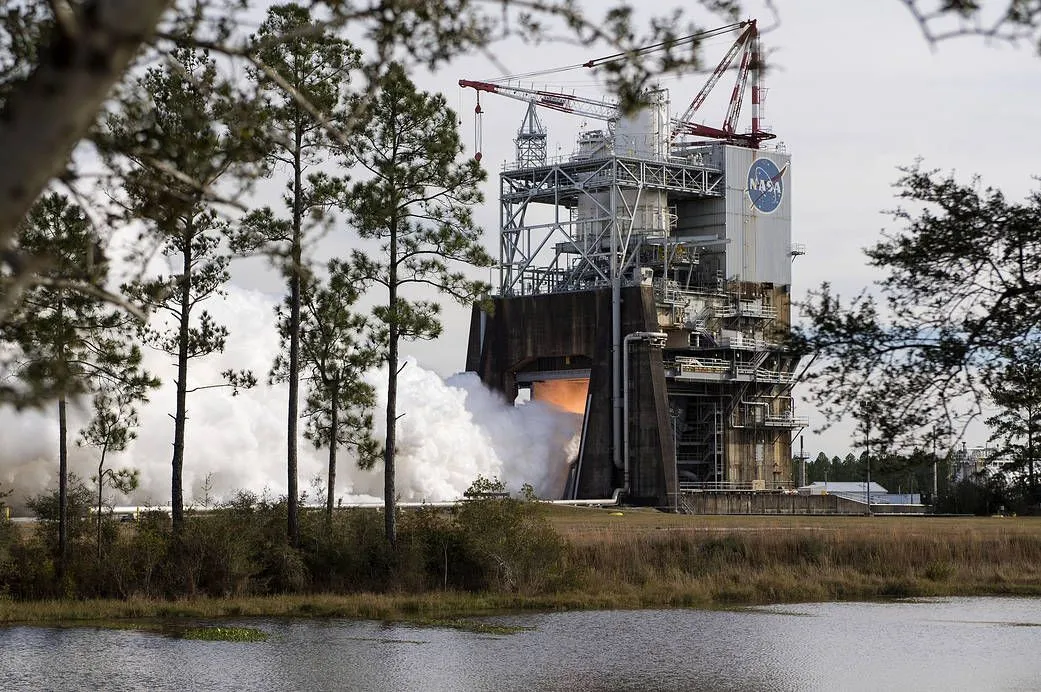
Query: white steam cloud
(450, 432)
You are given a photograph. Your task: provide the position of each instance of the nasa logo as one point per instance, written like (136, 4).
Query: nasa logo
(765, 187)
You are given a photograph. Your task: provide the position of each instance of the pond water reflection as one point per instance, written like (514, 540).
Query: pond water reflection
(954, 644)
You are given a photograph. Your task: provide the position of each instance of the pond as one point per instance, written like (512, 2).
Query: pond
(949, 644)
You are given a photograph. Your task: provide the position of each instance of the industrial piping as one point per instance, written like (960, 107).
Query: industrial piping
(135, 510)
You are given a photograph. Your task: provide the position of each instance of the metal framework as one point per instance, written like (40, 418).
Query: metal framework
(566, 251)
(727, 405)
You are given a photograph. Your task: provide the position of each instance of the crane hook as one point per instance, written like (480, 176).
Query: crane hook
(478, 123)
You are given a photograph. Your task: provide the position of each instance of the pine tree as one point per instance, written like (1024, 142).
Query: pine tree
(1016, 427)
(417, 203)
(189, 132)
(316, 66)
(334, 354)
(68, 339)
(111, 429)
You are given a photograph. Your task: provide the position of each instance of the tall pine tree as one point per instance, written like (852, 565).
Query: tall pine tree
(416, 202)
(335, 353)
(314, 68)
(186, 133)
(68, 340)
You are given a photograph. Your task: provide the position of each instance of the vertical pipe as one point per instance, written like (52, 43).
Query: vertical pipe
(616, 327)
(625, 410)
(502, 238)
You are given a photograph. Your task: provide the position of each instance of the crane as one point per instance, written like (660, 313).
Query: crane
(747, 45)
(554, 100)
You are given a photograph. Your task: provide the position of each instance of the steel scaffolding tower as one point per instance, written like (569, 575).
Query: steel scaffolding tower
(680, 236)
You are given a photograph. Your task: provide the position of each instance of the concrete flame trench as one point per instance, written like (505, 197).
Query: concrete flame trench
(566, 337)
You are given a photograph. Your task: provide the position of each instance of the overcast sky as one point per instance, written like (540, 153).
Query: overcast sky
(854, 92)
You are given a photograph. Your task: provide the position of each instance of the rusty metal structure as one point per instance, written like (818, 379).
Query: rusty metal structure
(653, 264)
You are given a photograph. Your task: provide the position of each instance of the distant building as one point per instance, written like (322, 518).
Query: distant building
(968, 463)
(858, 491)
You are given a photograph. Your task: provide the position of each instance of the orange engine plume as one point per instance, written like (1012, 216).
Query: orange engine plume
(569, 395)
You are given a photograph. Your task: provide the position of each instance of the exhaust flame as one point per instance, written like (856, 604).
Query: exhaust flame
(568, 395)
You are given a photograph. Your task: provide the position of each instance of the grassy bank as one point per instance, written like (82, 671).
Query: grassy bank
(734, 560)
(640, 559)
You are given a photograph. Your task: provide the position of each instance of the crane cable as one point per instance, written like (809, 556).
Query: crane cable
(625, 55)
(701, 35)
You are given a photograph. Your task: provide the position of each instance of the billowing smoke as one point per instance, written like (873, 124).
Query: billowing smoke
(450, 431)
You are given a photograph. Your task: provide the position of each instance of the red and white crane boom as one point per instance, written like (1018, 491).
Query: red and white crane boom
(555, 100)
(716, 75)
(746, 45)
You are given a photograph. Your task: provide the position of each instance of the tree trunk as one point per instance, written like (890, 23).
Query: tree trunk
(389, 500)
(292, 513)
(181, 411)
(101, 487)
(334, 425)
(63, 487)
(63, 459)
(1031, 479)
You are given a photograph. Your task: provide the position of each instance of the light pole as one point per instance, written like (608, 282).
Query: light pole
(936, 433)
(657, 340)
(867, 456)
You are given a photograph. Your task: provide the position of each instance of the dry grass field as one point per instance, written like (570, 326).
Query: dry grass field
(579, 522)
(713, 560)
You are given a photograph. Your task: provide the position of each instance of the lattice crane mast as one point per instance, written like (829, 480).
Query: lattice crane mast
(746, 45)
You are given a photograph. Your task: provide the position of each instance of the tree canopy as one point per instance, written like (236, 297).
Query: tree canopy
(958, 310)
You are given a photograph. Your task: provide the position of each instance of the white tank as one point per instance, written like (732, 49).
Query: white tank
(643, 135)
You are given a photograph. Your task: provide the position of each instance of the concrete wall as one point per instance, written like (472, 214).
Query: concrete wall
(765, 503)
(578, 324)
(778, 503)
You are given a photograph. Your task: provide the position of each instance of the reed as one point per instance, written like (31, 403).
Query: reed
(496, 558)
(774, 563)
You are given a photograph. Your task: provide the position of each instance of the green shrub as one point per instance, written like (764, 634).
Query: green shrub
(240, 548)
(508, 542)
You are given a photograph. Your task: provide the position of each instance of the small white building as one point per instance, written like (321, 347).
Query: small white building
(858, 491)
